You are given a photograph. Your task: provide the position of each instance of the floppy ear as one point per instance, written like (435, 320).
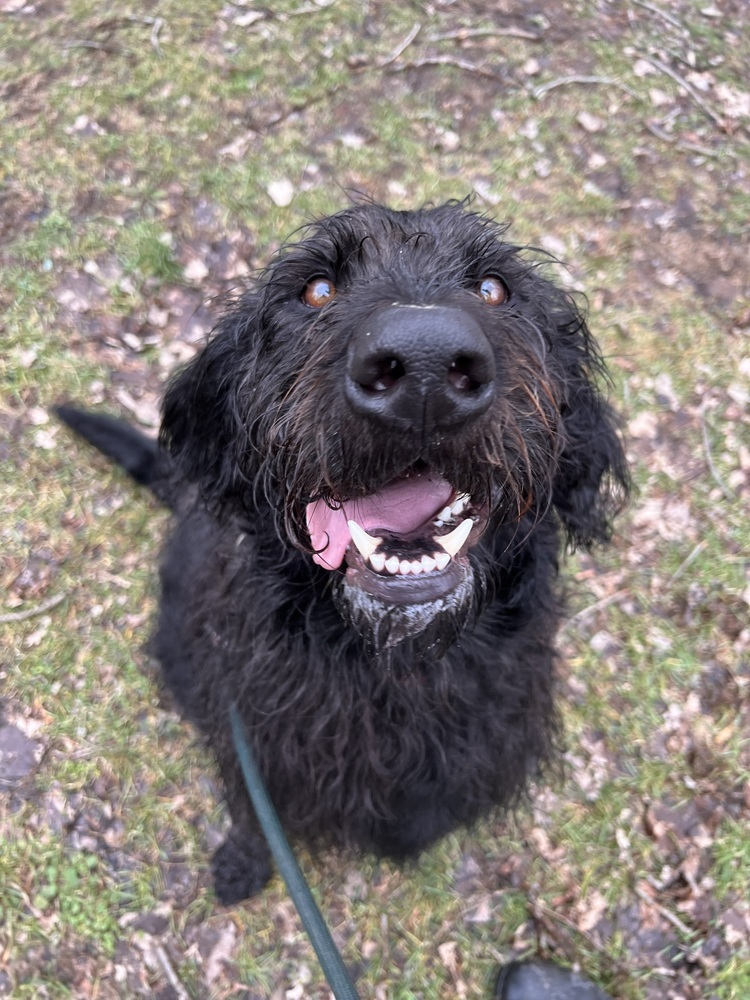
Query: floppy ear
(592, 480)
(201, 424)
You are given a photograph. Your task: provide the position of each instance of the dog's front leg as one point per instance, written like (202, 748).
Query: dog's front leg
(242, 864)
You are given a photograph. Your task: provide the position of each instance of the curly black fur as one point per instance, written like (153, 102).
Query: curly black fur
(382, 740)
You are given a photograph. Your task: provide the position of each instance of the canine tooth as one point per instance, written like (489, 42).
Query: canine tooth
(460, 503)
(441, 559)
(367, 544)
(453, 541)
(428, 564)
(392, 565)
(404, 567)
(377, 561)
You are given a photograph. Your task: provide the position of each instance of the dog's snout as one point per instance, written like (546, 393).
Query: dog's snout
(420, 367)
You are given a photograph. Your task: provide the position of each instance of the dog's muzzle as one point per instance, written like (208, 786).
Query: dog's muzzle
(423, 371)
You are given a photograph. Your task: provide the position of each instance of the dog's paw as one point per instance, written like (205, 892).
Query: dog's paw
(241, 868)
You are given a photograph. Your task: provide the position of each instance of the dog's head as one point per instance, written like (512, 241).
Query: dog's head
(398, 384)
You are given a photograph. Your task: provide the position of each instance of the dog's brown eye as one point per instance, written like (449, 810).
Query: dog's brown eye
(492, 291)
(318, 293)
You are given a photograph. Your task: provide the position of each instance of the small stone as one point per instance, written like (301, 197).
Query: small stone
(157, 317)
(18, 755)
(448, 140)
(590, 123)
(281, 192)
(659, 97)
(38, 416)
(196, 271)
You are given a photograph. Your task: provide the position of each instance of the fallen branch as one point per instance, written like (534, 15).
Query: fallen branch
(22, 616)
(687, 147)
(664, 912)
(462, 64)
(400, 48)
(591, 609)
(564, 81)
(156, 27)
(669, 18)
(465, 33)
(686, 562)
(82, 43)
(689, 90)
(169, 972)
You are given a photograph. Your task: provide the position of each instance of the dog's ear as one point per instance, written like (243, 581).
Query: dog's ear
(201, 424)
(592, 482)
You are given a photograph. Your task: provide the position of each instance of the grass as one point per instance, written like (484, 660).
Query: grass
(140, 150)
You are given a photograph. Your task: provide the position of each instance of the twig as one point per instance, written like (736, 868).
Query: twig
(563, 81)
(461, 64)
(540, 909)
(728, 494)
(591, 609)
(687, 147)
(22, 616)
(174, 982)
(689, 90)
(661, 13)
(82, 43)
(310, 9)
(667, 914)
(155, 29)
(686, 562)
(401, 47)
(463, 33)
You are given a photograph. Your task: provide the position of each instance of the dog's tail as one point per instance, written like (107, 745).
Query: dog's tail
(139, 455)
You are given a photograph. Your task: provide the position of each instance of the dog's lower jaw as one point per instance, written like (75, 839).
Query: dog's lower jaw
(431, 626)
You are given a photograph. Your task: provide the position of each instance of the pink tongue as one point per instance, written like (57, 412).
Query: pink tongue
(399, 509)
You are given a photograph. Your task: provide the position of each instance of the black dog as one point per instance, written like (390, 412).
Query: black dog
(392, 438)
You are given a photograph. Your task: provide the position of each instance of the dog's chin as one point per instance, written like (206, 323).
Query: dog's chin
(429, 614)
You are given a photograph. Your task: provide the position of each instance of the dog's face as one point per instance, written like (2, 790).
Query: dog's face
(400, 384)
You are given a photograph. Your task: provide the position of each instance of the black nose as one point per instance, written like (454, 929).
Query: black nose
(420, 368)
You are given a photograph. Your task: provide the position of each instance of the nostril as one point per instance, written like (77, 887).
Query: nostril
(468, 373)
(384, 374)
(462, 375)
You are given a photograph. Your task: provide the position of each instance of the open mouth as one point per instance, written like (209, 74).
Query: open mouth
(405, 544)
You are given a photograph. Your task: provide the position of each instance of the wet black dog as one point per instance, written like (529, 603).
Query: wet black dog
(375, 464)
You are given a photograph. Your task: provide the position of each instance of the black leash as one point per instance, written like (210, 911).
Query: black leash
(312, 920)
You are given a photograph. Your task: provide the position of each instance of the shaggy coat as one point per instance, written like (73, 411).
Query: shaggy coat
(416, 361)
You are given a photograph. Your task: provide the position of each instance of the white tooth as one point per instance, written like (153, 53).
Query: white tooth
(459, 504)
(392, 565)
(404, 567)
(416, 566)
(428, 564)
(366, 544)
(441, 559)
(453, 541)
(377, 561)
(445, 514)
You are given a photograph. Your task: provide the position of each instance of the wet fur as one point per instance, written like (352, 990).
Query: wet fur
(379, 749)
